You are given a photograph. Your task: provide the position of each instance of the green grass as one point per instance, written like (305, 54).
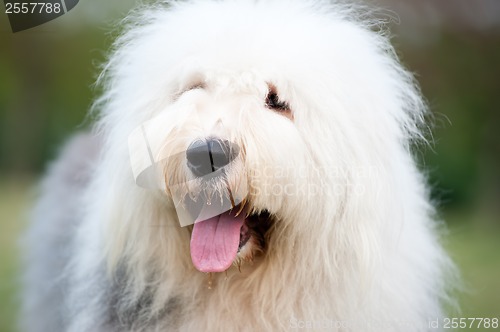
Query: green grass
(15, 196)
(473, 243)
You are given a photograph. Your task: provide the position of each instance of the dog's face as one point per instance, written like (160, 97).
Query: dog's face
(235, 133)
(265, 115)
(233, 148)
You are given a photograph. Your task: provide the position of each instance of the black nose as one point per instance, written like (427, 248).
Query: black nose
(209, 155)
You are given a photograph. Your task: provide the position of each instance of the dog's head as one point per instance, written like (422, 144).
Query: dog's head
(269, 119)
(230, 156)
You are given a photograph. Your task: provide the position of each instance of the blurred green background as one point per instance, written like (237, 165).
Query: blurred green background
(453, 46)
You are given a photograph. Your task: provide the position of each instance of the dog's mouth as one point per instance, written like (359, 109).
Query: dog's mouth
(229, 238)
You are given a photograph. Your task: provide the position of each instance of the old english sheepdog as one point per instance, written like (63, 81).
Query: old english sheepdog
(251, 170)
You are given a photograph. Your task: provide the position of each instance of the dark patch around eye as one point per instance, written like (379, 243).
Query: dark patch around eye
(273, 101)
(194, 86)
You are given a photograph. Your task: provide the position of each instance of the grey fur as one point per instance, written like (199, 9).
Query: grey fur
(54, 300)
(49, 241)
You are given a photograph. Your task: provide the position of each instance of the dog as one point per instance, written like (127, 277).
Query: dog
(251, 169)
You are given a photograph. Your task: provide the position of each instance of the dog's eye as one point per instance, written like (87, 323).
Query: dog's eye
(273, 102)
(194, 86)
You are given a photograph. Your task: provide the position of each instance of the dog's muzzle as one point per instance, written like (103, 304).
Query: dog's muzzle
(217, 182)
(209, 155)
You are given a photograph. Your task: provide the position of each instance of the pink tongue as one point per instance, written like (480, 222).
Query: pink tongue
(215, 241)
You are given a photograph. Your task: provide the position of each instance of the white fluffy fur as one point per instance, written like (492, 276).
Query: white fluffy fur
(363, 249)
